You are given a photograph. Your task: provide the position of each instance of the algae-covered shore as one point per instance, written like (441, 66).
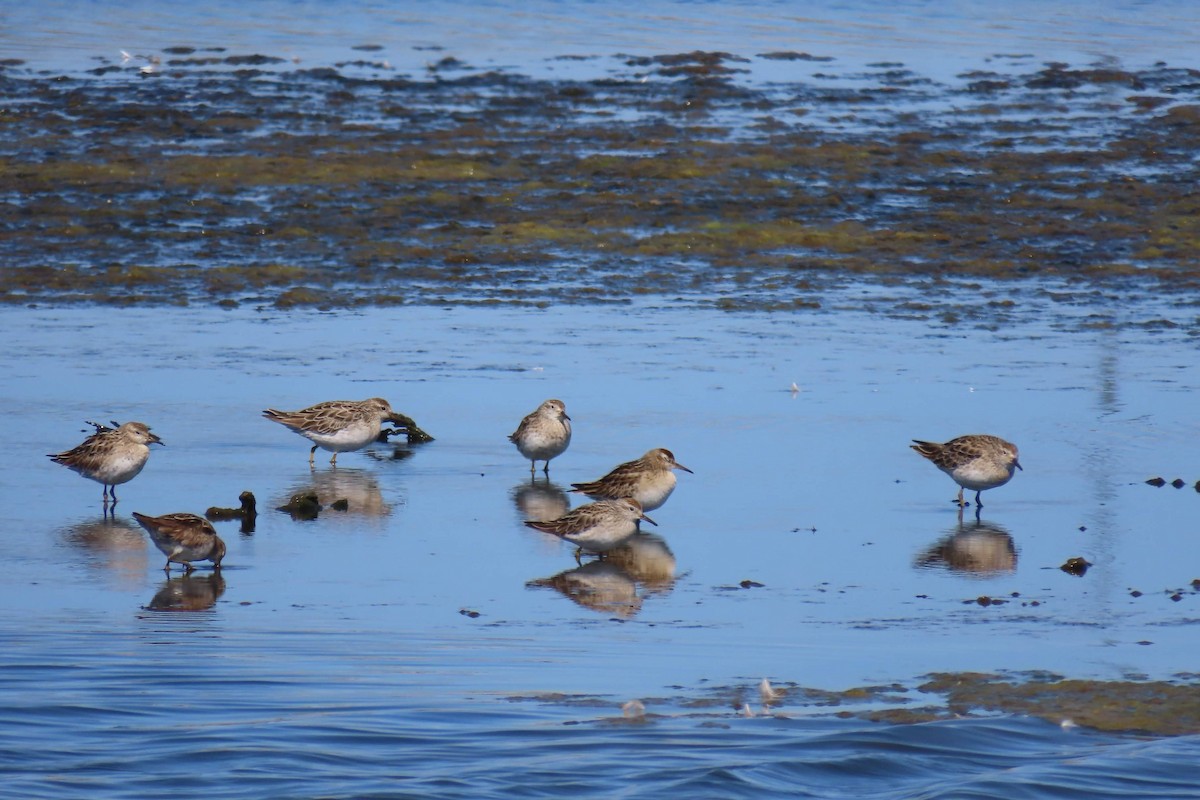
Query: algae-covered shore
(208, 177)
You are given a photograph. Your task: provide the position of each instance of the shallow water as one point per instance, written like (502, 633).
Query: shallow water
(342, 656)
(423, 642)
(550, 36)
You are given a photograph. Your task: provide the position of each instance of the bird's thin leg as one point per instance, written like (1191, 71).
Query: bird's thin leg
(532, 466)
(311, 453)
(167, 567)
(960, 500)
(333, 461)
(579, 556)
(546, 469)
(978, 502)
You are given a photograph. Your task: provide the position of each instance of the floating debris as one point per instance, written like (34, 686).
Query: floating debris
(1157, 482)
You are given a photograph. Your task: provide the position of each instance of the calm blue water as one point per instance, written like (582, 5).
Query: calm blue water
(333, 658)
(546, 37)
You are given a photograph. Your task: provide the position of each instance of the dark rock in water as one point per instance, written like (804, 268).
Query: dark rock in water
(1075, 566)
(340, 505)
(247, 513)
(1178, 483)
(1156, 482)
(303, 505)
(248, 509)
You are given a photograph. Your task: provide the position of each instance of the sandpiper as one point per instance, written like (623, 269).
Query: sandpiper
(110, 456)
(184, 538)
(648, 479)
(543, 434)
(597, 527)
(340, 426)
(975, 462)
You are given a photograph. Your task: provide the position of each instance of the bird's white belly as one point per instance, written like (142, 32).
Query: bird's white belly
(977, 479)
(121, 468)
(188, 554)
(550, 443)
(352, 437)
(652, 494)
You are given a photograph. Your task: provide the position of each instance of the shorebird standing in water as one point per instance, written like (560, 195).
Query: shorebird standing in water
(596, 527)
(110, 456)
(976, 462)
(543, 434)
(340, 426)
(649, 480)
(184, 538)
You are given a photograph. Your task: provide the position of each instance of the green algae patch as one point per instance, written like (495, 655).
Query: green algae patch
(317, 189)
(1148, 708)
(1151, 707)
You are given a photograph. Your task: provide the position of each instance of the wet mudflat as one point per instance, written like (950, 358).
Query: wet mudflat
(782, 265)
(193, 176)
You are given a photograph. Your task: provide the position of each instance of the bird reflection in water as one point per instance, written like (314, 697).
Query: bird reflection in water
(540, 499)
(618, 583)
(113, 543)
(975, 548)
(358, 488)
(188, 593)
(599, 585)
(647, 559)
